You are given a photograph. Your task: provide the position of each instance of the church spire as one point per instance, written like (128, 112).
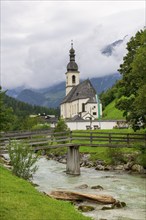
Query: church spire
(72, 66)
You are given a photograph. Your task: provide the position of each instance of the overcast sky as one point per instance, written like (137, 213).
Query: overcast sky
(36, 38)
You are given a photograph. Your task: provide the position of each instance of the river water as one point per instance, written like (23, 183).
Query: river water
(127, 188)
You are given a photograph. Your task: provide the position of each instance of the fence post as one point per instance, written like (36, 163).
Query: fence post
(127, 138)
(70, 137)
(110, 139)
(90, 137)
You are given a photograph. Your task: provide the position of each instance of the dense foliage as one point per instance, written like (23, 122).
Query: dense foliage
(132, 86)
(129, 92)
(6, 114)
(23, 109)
(14, 114)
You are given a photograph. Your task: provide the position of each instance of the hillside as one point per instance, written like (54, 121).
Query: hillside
(111, 112)
(20, 200)
(52, 96)
(22, 109)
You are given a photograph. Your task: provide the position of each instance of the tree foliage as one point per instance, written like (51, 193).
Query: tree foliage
(15, 115)
(6, 114)
(132, 86)
(61, 126)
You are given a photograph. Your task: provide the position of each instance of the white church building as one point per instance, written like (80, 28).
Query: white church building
(81, 101)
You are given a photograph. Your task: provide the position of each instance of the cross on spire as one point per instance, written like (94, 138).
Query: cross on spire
(71, 43)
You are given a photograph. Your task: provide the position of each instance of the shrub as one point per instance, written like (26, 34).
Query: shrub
(22, 159)
(116, 155)
(41, 126)
(61, 127)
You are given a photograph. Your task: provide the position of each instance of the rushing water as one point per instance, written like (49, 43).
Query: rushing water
(124, 187)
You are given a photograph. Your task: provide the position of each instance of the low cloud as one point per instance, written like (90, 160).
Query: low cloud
(36, 39)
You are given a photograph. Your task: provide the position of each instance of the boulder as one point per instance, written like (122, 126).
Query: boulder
(99, 167)
(97, 187)
(86, 208)
(119, 167)
(137, 168)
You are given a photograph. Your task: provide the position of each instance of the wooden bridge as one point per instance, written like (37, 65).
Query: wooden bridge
(45, 139)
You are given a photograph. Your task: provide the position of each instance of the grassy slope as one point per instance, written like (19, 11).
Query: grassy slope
(101, 153)
(21, 201)
(111, 112)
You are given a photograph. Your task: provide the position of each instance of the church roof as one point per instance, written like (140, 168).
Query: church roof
(81, 91)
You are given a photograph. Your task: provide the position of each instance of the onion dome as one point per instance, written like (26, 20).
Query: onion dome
(72, 66)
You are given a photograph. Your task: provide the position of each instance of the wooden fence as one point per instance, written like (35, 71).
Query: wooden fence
(45, 139)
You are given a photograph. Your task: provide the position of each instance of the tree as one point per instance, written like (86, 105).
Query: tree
(6, 114)
(61, 126)
(132, 98)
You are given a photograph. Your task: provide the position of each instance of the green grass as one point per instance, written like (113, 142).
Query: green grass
(111, 112)
(102, 153)
(21, 201)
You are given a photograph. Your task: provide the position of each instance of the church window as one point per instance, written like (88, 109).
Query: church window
(73, 79)
(83, 107)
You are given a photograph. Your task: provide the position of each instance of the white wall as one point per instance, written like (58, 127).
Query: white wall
(82, 125)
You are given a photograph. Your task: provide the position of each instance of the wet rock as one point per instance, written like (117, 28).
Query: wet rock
(83, 186)
(99, 167)
(108, 167)
(119, 204)
(90, 164)
(97, 187)
(107, 207)
(100, 162)
(128, 165)
(137, 168)
(85, 208)
(119, 167)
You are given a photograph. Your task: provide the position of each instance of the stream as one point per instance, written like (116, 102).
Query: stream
(127, 188)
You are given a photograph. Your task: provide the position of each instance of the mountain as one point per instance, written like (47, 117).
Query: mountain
(52, 96)
(31, 97)
(109, 49)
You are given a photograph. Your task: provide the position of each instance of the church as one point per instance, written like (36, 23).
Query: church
(81, 101)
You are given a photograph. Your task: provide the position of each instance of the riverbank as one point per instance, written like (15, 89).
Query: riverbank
(131, 166)
(20, 200)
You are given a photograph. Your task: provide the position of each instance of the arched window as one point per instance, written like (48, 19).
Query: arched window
(73, 79)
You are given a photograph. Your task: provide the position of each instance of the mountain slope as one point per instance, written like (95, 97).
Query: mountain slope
(51, 97)
(111, 112)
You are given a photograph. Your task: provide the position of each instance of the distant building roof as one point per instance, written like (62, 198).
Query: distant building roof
(76, 118)
(81, 91)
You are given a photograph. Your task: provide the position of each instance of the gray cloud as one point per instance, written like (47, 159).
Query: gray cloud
(36, 38)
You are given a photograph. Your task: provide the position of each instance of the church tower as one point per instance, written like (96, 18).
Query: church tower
(72, 74)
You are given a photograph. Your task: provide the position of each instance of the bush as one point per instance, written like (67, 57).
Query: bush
(141, 158)
(116, 155)
(44, 126)
(61, 127)
(22, 159)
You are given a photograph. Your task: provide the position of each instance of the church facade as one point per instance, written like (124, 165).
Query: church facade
(81, 100)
